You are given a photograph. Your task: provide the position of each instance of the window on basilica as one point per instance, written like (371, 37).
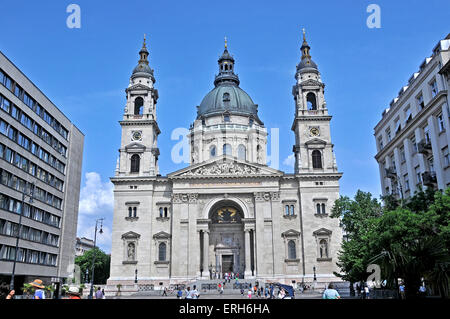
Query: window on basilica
(311, 101)
(292, 254)
(226, 149)
(135, 160)
(226, 215)
(138, 106)
(162, 252)
(316, 159)
(241, 152)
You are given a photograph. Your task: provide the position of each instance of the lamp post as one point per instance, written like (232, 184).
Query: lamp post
(86, 278)
(11, 285)
(100, 220)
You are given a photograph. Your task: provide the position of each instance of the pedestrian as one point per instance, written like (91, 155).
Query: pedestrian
(401, 288)
(259, 293)
(39, 292)
(103, 293)
(179, 293)
(74, 293)
(11, 294)
(99, 293)
(266, 292)
(194, 292)
(165, 291)
(221, 290)
(366, 292)
(242, 292)
(271, 291)
(188, 293)
(249, 293)
(331, 293)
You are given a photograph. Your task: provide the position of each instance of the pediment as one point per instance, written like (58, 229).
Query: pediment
(135, 146)
(161, 235)
(291, 233)
(311, 82)
(138, 86)
(130, 235)
(316, 141)
(322, 231)
(225, 166)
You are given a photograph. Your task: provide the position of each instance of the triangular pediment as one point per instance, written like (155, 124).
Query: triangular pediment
(316, 141)
(130, 235)
(311, 82)
(161, 235)
(225, 166)
(138, 86)
(322, 231)
(135, 146)
(291, 233)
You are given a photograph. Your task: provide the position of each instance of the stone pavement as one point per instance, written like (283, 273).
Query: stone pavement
(309, 295)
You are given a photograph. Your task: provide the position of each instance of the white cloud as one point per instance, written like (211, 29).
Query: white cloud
(289, 161)
(96, 196)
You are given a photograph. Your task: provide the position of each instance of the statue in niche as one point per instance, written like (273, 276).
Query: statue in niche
(131, 251)
(323, 249)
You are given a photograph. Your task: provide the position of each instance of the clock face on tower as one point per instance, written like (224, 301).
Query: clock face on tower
(136, 135)
(314, 131)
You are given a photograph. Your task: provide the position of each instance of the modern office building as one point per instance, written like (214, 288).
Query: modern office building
(82, 245)
(413, 135)
(41, 152)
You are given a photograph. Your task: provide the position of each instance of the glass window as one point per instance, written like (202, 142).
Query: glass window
(162, 252)
(292, 254)
(213, 151)
(434, 88)
(441, 123)
(420, 102)
(226, 149)
(242, 152)
(316, 159)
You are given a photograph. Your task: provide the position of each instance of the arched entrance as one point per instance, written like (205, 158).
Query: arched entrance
(226, 231)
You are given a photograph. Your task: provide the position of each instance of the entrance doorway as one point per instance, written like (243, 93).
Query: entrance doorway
(227, 263)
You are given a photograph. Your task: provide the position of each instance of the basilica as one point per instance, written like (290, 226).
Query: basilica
(228, 211)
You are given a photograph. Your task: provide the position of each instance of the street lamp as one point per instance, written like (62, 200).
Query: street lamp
(11, 285)
(100, 220)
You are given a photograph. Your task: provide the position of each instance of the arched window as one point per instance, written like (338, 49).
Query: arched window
(134, 212)
(165, 211)
(292, 210)
(135, 159)
(317, 159)
(129, 212)
(311, 101)
(226, 118)
(323, 209)
(226, 149)
(323, 248)
(292, 254)
(286, 210)
(160, 212)
(162, 252)
(212, 151)
(138, 106)
(242, 152)
(318, 208)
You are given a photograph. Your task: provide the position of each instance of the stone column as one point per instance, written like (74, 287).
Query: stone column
(248, 271)
(206, 254)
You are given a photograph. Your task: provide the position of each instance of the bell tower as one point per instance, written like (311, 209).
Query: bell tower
(139, 148)
(313, 149)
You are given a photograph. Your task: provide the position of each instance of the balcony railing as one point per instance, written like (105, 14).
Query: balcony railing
(390, 173)
(424, 147)
(429, 178)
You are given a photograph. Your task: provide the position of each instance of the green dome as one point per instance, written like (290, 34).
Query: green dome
(227, 97)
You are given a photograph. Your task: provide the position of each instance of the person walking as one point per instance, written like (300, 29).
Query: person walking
(165, 291)
(188, 293)
(103, 292)
(331, 293)
(401, 288)
(179, 293)
(39, 292)
(99, 293)
(249, 293)
(195, 293)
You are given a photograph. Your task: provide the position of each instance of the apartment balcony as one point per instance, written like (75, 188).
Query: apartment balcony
(429, 178)
(424, 147)
(390, 173)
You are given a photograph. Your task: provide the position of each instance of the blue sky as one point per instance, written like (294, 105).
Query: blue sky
(85, 71)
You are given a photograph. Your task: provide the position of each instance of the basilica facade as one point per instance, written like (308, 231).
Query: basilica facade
(227, 211)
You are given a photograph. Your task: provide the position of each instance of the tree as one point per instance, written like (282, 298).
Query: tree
(101, 267)
(357, 217)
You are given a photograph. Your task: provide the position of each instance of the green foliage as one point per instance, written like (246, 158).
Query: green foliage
(410, 241)
(101, 266)
(28, 289)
